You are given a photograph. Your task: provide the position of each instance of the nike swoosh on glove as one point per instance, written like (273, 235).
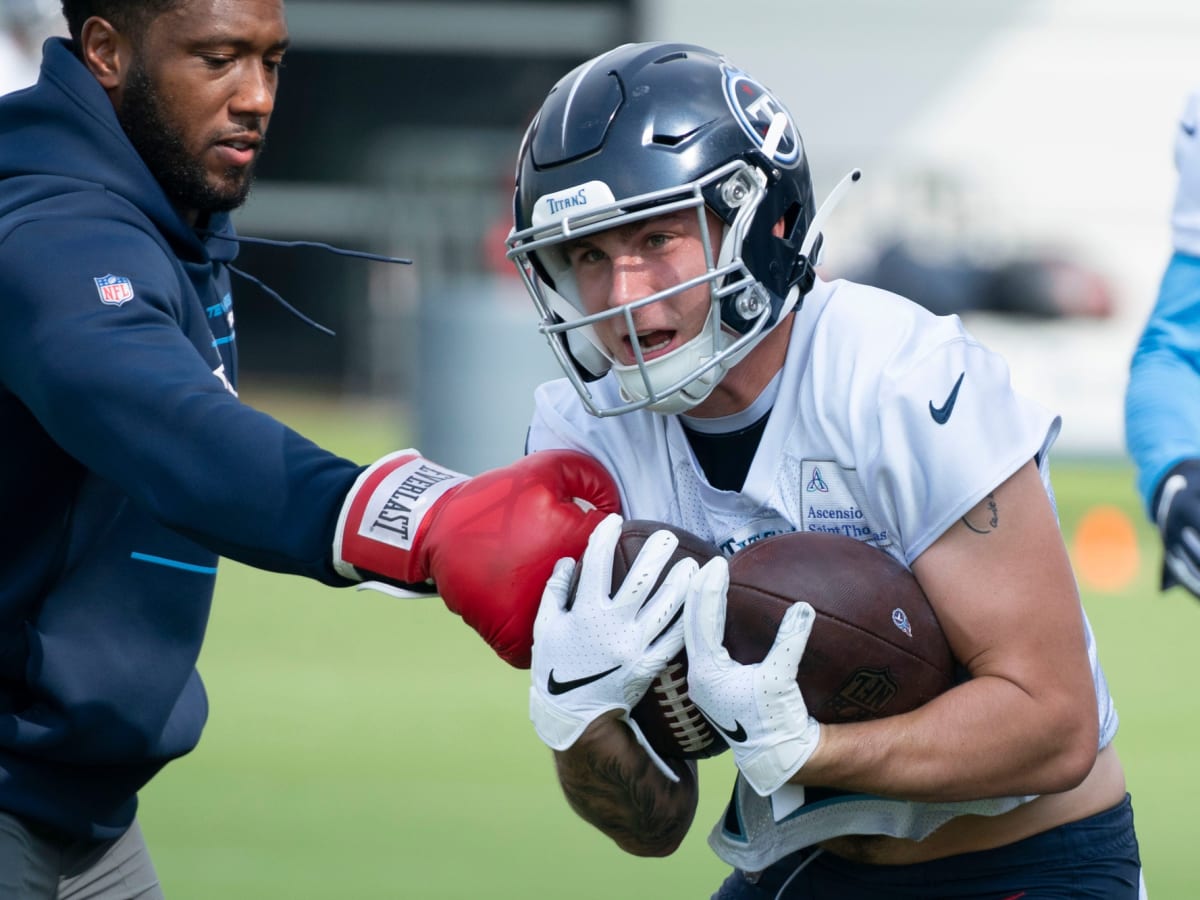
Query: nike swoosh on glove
(758, 707)
(596, 651)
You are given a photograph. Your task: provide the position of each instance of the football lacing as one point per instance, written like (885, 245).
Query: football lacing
(689, 727)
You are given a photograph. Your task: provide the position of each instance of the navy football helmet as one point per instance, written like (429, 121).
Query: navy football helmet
(640, 131)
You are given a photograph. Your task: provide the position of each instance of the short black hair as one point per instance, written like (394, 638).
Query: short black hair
(130, 17)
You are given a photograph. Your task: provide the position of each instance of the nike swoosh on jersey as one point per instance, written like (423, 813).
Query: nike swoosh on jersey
(737, 735)
(941, 414)
(1188, 128)
(554, 686)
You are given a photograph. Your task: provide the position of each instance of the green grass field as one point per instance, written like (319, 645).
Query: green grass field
(362, 747)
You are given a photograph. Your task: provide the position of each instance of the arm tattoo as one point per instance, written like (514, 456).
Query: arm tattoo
(627, 798)
(984, 524)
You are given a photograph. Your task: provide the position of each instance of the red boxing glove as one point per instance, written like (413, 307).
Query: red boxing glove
(486, 544)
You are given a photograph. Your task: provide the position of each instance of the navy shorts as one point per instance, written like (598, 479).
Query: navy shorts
(1094, 857)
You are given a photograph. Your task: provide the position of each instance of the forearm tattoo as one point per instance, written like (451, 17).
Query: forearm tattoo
(628, 799)
(983, 521)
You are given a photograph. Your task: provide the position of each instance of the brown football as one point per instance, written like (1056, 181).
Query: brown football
(668, 718)
(876, 647)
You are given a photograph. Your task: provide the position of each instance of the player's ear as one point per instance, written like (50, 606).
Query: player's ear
(106, 52)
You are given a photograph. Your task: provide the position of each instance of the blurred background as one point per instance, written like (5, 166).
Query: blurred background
(1017, 170)
(1016, 158)
(1027, 138)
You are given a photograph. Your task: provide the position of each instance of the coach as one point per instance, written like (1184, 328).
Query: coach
(128, 465)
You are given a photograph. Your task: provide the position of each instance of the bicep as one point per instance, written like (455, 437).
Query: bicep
(1001, 583)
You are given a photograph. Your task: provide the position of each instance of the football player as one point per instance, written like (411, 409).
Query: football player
(1162, 415)
(666, 231)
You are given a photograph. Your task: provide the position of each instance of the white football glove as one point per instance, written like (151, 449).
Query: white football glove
(601, 653)
(758, 707)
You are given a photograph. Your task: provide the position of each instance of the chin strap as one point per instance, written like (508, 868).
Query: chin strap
(835, 197)
(804, 271)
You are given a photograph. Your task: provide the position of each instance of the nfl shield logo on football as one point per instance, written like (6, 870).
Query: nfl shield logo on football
(114, 289)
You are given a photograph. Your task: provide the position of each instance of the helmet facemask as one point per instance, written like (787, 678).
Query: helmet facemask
(683, 378)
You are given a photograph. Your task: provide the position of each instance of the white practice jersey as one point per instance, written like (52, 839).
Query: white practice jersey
(1185, 216)
(889, 425)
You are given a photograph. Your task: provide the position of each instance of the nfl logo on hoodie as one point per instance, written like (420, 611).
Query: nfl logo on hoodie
(114, 289)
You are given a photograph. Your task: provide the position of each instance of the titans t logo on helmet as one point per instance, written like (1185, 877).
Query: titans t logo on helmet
(754, 107)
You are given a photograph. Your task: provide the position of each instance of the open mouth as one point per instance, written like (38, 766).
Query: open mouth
(651, 343)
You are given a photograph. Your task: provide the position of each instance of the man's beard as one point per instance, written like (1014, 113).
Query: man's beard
(161, 146)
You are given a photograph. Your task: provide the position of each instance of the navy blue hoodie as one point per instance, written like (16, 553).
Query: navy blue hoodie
(127, 463)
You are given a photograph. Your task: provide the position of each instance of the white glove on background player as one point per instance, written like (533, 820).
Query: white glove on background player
(1185, 216)
(1177, 514)
(759, 708)
(594, 652)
